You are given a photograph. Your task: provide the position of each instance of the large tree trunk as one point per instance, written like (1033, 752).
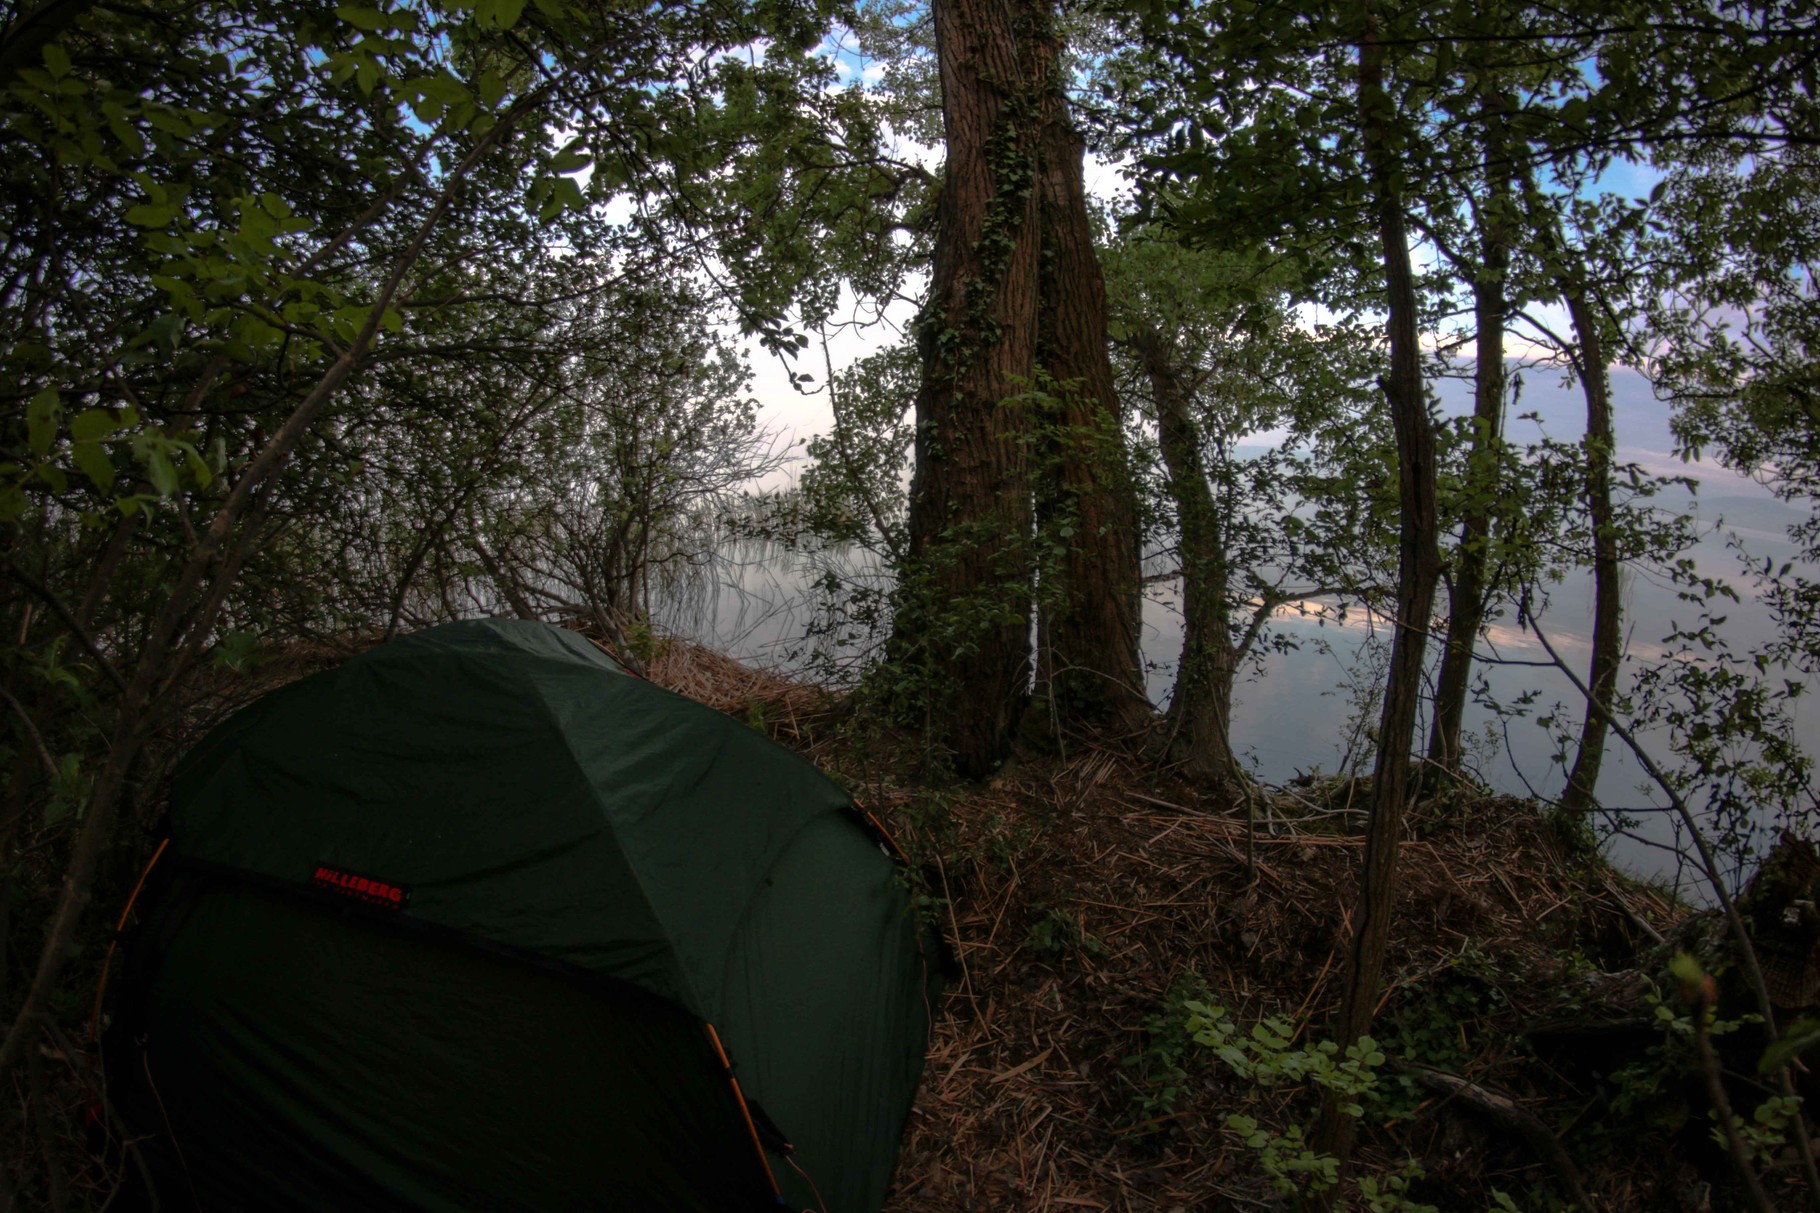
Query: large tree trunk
(1088, 666)
(1582, 781)
(963, 618)
(1200, 709)
(1466, 592)
(1418, 568)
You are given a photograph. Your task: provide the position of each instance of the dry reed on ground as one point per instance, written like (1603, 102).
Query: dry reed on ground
(1032, 1100)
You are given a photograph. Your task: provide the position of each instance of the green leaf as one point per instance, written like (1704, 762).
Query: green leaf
(165, 330)
(162, 475)
(93, 424)
(571, 158)
(362, 18)
(93, 459)
(56, 60)
(151, 214)
(199, 469)
(1796, 1039)
(124, 131)
(507, 12)
(568, 194)
(1685, 969)
(41, 417)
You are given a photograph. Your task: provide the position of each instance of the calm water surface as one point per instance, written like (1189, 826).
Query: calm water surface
(1300, 712)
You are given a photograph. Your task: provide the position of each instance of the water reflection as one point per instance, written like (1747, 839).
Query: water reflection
(1304, 710)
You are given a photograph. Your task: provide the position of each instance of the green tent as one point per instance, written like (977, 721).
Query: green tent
(480, 920)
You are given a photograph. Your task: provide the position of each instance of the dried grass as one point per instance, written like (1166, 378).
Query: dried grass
(789, 709)
(1029, 1101)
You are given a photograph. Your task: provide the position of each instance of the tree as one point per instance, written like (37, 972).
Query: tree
(1418, 569)
(1468, 588)
(208, 270)
(1015, 291)
(1088, 667)
(964, 609)
(1215, 360)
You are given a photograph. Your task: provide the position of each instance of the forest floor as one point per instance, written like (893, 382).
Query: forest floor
(1103, 914)
(1089, 897)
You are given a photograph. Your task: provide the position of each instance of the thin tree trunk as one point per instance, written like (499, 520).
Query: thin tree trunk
(1582, 781)
(1418, 568)
(1466, 593)
(1088, 665)
(963, 614)
(1200, 708)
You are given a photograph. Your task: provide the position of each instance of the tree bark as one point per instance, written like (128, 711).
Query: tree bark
(1418, 569)
(1582, 781)
(1200, 708)
(1466, 593)
(963, 617)
(1088, 667)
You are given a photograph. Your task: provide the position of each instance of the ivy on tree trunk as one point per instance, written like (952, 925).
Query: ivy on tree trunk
(1015, 324)
(1088, 667)
(964, 610)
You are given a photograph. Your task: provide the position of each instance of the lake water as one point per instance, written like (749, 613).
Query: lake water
(1299, 712)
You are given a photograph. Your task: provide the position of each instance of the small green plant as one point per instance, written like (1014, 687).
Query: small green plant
(1058, 933)
(1285, 1156)
(1766, 1132)
(1161, 1070)
(1268, 1055)
(1458, 1016)
(1390, 1194)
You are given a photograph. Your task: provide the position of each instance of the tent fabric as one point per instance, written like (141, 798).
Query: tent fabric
(367, 969)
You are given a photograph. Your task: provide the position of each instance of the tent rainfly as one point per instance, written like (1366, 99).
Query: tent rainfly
(479, 920)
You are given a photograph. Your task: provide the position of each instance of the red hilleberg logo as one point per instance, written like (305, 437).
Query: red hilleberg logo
(363, 888)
